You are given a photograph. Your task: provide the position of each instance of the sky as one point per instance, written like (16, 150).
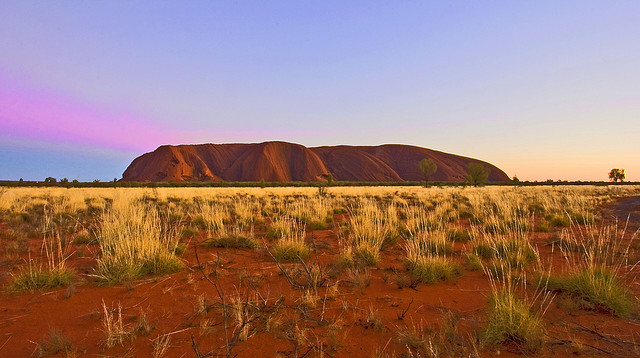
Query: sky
(542, 89)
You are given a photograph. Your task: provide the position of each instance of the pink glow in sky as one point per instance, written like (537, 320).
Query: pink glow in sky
(45, 116)
(40, 115)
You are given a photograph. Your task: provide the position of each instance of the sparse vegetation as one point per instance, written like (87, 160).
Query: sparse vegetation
(242, 266)
(596, 277)
(134, 241)
(34, 277)
(512, 321)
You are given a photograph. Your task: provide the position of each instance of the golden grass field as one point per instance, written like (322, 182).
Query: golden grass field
(330, 272)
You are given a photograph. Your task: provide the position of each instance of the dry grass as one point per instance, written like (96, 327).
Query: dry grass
(433, 232)
(293, 247)
(601, 268)
(134, 241)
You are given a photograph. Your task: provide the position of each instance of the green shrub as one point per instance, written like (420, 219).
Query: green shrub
(84, 238)
(35, 277)
(474, 262)
(162, 264)
(232, 241)
(457, 235)
(542, 226)
(288, 250)
(432, 268)
(596, 288)
(511, 321)
(317, 225)
(189, 231)
(518, 253)
(559, 221)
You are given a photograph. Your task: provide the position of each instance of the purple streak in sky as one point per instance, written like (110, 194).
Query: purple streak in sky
(42, 115)
(45, 116)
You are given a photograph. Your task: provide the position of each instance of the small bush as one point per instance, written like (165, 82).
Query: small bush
(596, 288)
(427, 242)
(536, 209)
(559, 221)
(511, 321)
(493, 228)
(280, 229)
(517, 252)
(288, 250)
(200, 222)
(232, 241)
(189, 231)
(365, 256)
(431, 269)
(484, 250)
(474, 262)
(317, 225)
(583, 218)
(83, 238)
(458, 235)
(162, 264)
(542, 226)
(37, 277)
(55, 343)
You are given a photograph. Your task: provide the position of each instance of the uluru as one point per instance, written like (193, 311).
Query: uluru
(283, 161)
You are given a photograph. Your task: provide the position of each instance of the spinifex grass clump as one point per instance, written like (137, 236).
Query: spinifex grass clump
(315, 213)
(210, 215)
(426, 258)
(37, 276)
(433, 242)
(280, 227)
(430, 268)
(511, 317)
(597, 288)
(370, 230)
(233, 236)
(419, 219)
(133, 242)
(596, 279)
(293, 247)
(517, 251)
(459, 235)
(512, 321)
(245, 210)
(55, 249)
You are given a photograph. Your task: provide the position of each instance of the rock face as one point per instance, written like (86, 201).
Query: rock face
(282, 161)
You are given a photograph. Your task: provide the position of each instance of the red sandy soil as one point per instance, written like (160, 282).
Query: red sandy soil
(169, 301)
(282, 161)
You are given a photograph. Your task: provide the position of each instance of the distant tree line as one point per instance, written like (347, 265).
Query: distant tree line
(477, 174)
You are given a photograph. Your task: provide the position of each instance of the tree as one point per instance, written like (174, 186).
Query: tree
(329, 179)
(427, 167)
(477, 174)
(616, 174)
(50, 180)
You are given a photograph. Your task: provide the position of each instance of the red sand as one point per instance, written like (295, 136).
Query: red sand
(169, 303)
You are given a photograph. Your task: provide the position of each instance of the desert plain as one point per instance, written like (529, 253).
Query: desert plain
(320, 272)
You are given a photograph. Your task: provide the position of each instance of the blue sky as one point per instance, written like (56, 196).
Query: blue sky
(541, 89)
